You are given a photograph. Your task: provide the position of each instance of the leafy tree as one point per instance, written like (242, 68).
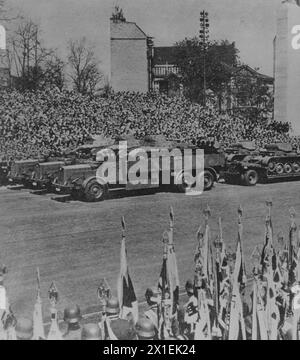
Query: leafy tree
(254, 96)
(192, 60)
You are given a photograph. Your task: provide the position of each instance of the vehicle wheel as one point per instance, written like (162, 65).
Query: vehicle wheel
(183, 182)
(208, 180)
(288, 169)
(279, 169)
(95, 191)
(250, 178)
(296, 167)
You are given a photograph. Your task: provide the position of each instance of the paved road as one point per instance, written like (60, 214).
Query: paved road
(78, 243)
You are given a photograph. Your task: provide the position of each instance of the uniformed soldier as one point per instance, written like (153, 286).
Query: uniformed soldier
(91, 332)
(72, 317)
(145, 329)
(24, 329)
(114, 327)
(153, 299)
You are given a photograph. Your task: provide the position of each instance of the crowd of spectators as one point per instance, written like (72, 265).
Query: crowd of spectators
(51, 121)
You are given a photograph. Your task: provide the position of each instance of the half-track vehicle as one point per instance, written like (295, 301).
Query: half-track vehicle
(82, 180)
(276, 161)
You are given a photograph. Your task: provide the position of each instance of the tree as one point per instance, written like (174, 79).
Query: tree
(254, 95)
(54, 72)
(85, 74)
(27, 56)
(189, 59)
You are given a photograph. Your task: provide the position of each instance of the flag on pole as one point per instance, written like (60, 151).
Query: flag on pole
(168, 284)
(292, 249)
(237, 324)
(54, 332)
(126, 294)
(169, 278)
(38, 324)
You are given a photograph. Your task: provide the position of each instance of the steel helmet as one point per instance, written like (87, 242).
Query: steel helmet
(145, 328)
(151, 294)
(24, 329)
(189, 286)
(91, 332)
(112, 306)
(72, 314)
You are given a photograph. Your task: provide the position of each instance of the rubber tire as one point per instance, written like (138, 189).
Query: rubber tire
(209, 180)
(90, 194)
(250, 178)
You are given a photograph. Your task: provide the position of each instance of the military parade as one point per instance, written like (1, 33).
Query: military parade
(222, 301)
(156, 200)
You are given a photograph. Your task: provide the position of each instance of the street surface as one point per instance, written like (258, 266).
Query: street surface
(76, 244)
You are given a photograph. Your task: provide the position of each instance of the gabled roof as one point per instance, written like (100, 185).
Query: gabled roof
(235, 70)
(126, 30)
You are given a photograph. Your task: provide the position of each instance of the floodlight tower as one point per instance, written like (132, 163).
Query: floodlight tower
(204, 41)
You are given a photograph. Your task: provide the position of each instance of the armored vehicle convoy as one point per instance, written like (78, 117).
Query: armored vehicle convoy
(82, 179)
(276, 161)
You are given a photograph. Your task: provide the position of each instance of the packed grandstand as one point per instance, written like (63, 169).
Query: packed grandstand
(50, 122)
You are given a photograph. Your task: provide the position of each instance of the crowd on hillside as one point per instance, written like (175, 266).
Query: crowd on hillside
(50, 121)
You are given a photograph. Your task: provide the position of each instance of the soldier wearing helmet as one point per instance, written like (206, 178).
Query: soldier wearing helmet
(114, 327)
(145, 329)
(91, 332)
(72, 317)
(24, 329)
(153, 299)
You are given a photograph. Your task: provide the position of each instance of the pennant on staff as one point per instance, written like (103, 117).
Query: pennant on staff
(169, 278)
(292, 250)
(54, 332)
(236, 323)
(38, 324)
(126, 294)
(268, 256)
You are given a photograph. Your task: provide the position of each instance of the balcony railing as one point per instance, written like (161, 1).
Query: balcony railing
(165, 70)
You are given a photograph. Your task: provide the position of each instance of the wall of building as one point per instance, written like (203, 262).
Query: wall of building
(129, 64)
(4, 69)
(287, 67)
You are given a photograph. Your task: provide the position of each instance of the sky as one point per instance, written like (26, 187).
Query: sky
(250, 23)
